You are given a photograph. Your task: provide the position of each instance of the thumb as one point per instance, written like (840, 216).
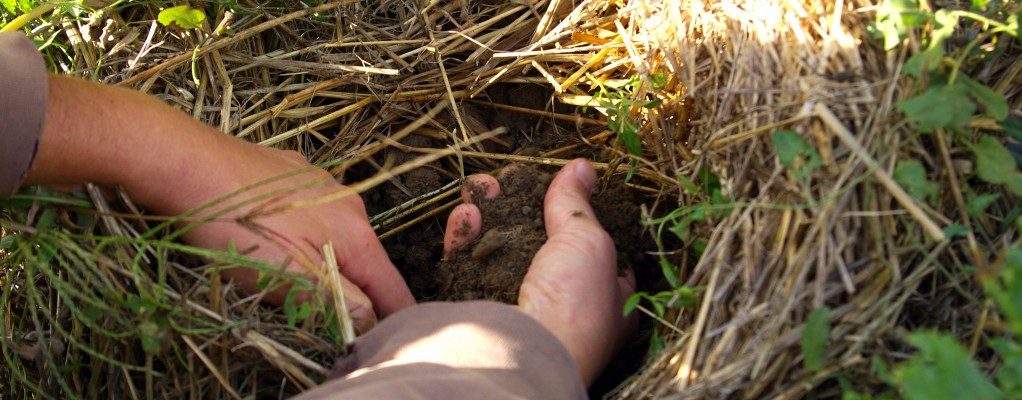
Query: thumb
(575, 239)
(567, 201)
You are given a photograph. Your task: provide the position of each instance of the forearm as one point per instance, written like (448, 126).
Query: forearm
(113, 136)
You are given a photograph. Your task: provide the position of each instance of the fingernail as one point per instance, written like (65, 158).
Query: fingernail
(585, 172)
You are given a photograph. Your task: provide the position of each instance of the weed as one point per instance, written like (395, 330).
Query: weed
(620, 103)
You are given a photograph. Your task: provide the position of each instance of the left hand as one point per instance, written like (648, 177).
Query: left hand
(170, 164)
(369, 279)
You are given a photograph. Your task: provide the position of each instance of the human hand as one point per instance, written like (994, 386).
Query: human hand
(572, 287)
(171, 164)
(268, 230)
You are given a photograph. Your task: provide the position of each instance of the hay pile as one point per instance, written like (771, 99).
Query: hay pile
(345, 80)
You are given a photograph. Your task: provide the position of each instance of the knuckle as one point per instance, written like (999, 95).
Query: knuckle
(587, 238)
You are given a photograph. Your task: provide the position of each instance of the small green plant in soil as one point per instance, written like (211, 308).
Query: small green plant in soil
(621, 103)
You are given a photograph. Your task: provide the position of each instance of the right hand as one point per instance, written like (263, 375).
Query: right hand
(572, 287)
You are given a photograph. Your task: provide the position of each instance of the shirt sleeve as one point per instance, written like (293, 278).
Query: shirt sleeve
(23, 91)
(450, 351)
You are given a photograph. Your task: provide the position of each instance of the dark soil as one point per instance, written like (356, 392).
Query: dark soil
(494, 266)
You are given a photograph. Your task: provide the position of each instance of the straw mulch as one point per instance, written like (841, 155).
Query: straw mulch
(345, 79)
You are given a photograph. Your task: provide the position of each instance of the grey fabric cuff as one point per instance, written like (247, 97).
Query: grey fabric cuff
(23, 91)
(453, 351)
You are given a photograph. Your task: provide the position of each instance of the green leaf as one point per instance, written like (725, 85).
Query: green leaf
(656, 344)
(815, 336)
(1006, 291)
(942, 370)
(699, 246)
(9, 5)
(881, 371)
(151, 335)
(1009, 376)
(940, 106)
(6, 242)
(305, 311)
(16, 202)
(795, 153)
(1014, 183)
(930, 59)
(84, 219)
(955, 230)
(668, 270)
(290, 306)
(632, 166)
(1013, 128)
(687, 184)
(911, 175)
(976, 205)
(18, 6)
(924, 61)
(46, 219)
(628, 134)
(894, 18)
(994, 104)
(945, 23)
(1014, 22)
(709, 181)
(658, 80)
(632, 302)
(994, 163)
(182, 16)
(680, 228)
(686, 296)
(658, 307)
(980, 4)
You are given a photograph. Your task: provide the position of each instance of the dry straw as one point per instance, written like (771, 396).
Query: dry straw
(346, 80)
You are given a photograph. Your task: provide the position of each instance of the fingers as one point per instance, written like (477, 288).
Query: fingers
(369, 269)
(360, 308)
(466, 221)
(479, 184)
(463, 226)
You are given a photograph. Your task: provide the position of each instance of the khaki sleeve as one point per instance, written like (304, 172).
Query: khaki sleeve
(23, 91)
(450, 351)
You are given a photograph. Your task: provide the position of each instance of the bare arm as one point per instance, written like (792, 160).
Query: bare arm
(171, 163)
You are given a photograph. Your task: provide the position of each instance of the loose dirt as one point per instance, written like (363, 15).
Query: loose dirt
(493, 266)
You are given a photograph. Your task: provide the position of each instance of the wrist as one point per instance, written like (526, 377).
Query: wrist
(184, 169)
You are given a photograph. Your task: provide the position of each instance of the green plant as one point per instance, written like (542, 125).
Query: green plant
(815, 336)
(948, 102)
(797, 155)
(943, 368)
(184, 17)
(620, 102)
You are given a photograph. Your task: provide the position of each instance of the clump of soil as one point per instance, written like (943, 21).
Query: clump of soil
(494, 266)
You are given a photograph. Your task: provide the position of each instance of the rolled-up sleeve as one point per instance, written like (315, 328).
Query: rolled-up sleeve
(453, 351)
(23, 91)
